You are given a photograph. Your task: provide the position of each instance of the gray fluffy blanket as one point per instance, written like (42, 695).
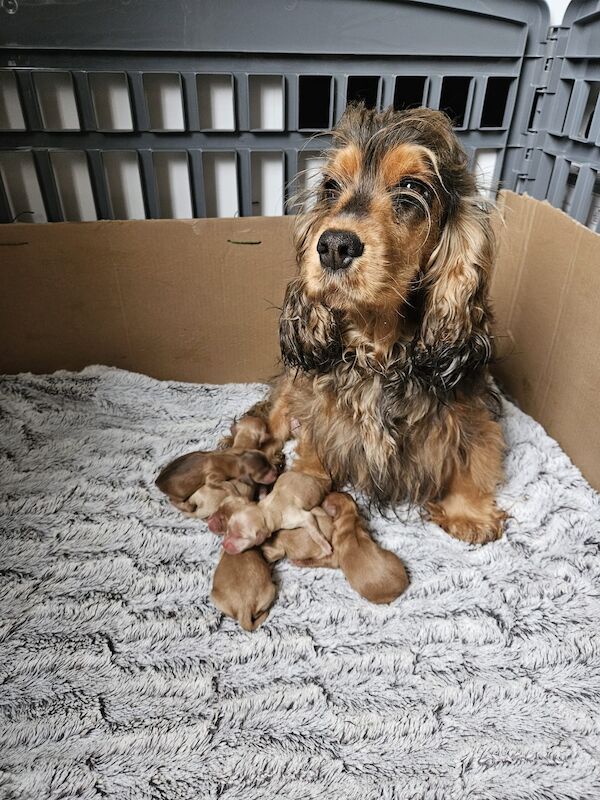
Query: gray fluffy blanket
(119, 679)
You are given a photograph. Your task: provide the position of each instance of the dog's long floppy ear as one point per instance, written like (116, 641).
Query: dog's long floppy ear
(309, 332)
(454, 340)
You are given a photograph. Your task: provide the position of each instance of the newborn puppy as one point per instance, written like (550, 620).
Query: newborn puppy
(207, 499)
(183, 476)
(252, 433)
(219, 520)
(249, 433)
(375, 573)
(243, 589)
(288, 506)
(299, 546)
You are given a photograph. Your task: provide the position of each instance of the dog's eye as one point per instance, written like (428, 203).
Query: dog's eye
(330, 190)
(415, 186)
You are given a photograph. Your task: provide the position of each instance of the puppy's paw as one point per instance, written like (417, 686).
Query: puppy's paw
(326, 548)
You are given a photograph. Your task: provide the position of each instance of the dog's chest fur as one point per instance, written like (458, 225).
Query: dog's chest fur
(365, 425)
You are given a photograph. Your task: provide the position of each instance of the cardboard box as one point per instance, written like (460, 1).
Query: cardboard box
(197, 300)
(546, 294)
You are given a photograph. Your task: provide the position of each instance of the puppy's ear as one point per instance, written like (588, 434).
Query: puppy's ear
(217, 523)
(454, 339)
(310, 333)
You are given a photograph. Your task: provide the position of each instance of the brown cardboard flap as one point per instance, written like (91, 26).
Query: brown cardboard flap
(546, 293)
(192, 300)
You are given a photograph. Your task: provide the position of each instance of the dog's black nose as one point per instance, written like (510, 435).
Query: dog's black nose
(336, 249)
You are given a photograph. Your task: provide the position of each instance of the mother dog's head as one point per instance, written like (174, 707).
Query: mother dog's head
(395, 223)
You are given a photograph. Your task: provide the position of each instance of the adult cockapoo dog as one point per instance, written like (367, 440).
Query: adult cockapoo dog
(385, 333)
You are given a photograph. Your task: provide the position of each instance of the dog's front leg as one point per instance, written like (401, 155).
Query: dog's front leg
(279, 420)
(467, 507)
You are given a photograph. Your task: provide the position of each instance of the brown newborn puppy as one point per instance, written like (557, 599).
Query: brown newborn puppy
(288, 506)
(183, 476)
(249, 433)
(243, 589)
(375, 573)
(299, 546)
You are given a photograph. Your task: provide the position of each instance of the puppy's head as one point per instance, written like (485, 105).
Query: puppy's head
(218, 521)
(338, 504)
(249, 429)
(257, 467)
(246, 528)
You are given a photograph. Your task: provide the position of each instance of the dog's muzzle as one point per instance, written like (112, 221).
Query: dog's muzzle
(338, 249)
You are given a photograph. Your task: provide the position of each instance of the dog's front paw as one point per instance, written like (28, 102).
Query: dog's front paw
(479, 527)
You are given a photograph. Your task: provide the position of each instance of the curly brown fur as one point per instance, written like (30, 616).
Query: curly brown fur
(422, 279)
(309, 334)
(399, 407)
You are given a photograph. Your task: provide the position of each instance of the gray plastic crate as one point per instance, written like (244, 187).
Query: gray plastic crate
(561, 159)
(489, 64)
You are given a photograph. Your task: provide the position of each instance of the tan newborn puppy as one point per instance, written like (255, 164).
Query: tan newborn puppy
(299, 546)
(207, 499)
(243, 589)
(218, 521)
(375, 573)
(252, 433)
(183, 476)
(288, 506)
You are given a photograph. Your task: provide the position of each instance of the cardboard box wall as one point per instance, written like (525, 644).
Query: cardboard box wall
(197, 300)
